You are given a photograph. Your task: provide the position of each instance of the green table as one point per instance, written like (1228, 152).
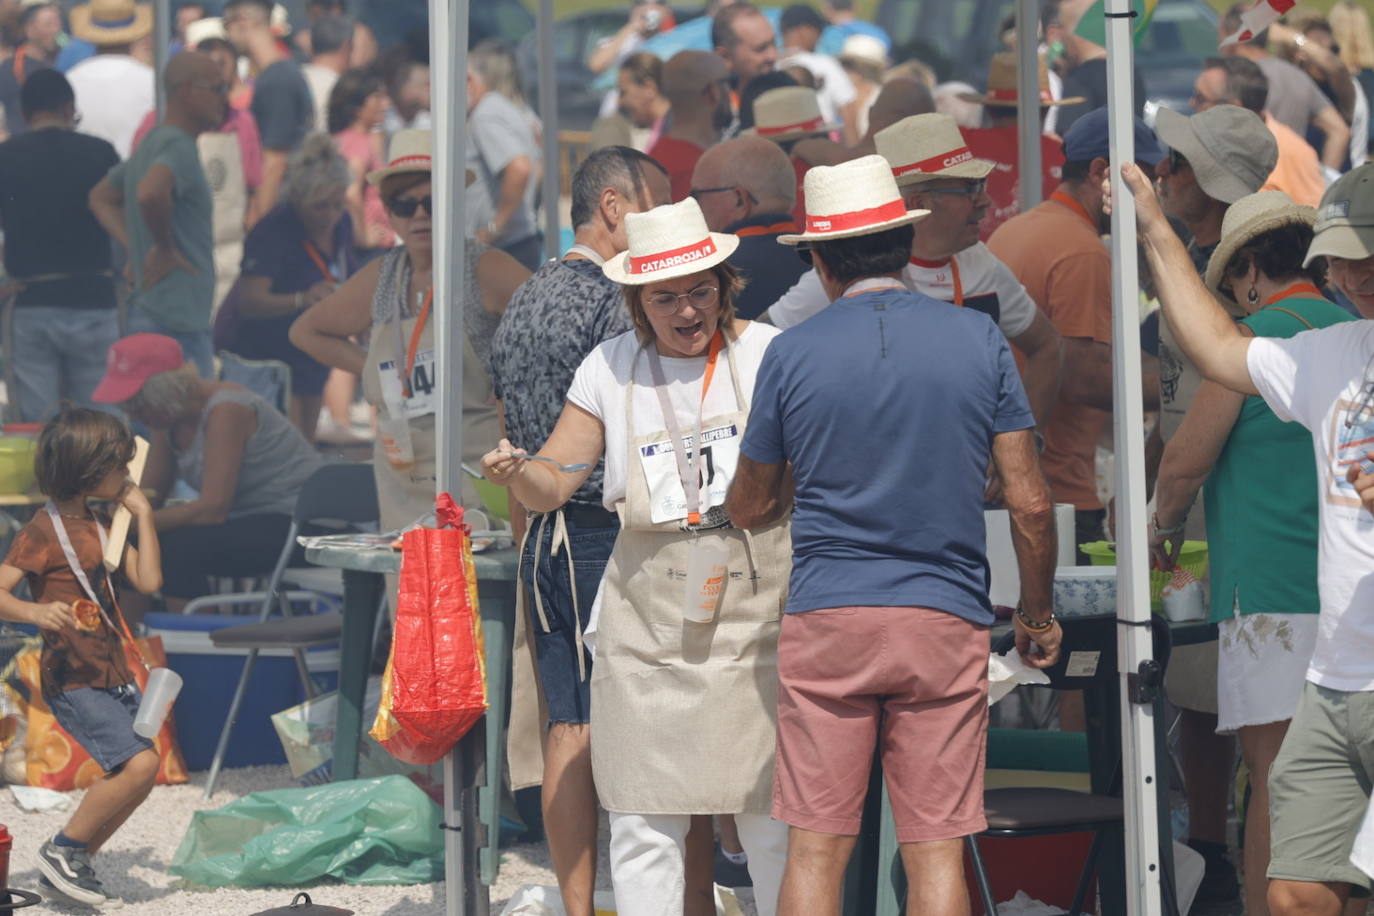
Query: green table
(364, 579)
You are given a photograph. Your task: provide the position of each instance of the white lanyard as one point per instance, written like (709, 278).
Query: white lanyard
(690, 476)
(587, 253)
(67, 549)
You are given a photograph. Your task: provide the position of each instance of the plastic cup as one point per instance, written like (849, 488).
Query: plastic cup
(163, 686)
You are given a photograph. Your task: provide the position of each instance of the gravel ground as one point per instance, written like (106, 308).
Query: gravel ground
(133, 864)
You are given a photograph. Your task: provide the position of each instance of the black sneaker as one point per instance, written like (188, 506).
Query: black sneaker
(68, 870)
(1219, 893)
(730, 874)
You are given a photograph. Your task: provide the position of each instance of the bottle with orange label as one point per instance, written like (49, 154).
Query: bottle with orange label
(706, 576)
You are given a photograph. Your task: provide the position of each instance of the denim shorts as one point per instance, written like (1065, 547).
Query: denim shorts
(101, 720)
(566, 692)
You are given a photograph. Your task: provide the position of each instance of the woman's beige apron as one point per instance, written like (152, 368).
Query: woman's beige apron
(684, 715)
(405, 496)
(222, 159)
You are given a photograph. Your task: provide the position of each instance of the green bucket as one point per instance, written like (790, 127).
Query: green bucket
(1193, 557)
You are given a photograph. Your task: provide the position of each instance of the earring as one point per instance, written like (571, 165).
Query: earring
(1252, 297)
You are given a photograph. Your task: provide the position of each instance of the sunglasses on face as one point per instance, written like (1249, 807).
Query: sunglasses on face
(405, 207)
(973, 188)
(1176, 161)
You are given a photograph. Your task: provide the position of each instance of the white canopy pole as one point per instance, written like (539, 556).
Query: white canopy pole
(1134, 638)
(548, 113)
(162, 41)
(448, 37)
(1028, 102)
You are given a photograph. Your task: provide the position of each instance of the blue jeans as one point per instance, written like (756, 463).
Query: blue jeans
(196, 346)
(59, 353)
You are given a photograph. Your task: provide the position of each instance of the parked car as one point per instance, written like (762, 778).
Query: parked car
(958, 38)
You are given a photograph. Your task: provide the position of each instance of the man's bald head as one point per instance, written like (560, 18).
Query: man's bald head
(687, 74)
(187, 67)
(899, 98)
(757, 167)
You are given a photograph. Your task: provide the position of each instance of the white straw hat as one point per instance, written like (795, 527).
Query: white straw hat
(667, 242)
(410, 152)
(788, 113)
(1248, 218)
(925, 147)
(858, 197)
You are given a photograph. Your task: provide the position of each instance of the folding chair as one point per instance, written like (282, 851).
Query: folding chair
(1087, 661)
(270, 379)
(345, 492)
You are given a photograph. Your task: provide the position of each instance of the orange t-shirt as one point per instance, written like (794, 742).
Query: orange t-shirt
(1061, 261)
(1299, 171)
(71, 657)
(679, 160)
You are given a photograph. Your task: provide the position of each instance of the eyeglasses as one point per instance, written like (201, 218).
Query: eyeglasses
(1202, 102)
(696, 193)
(405, 207)
(702, 298)
(972, 189)
(220, 88)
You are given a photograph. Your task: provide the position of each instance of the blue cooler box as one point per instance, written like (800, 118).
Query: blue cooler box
(209, 676)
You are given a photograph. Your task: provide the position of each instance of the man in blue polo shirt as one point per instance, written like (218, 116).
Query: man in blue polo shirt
(888, 406)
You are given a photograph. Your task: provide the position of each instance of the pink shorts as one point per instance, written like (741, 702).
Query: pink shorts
(918, 676)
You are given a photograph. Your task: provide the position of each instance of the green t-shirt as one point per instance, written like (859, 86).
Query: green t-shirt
(182, 301)
(1261, 498)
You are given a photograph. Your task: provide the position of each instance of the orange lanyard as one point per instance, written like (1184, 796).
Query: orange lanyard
(421, 320)
(690, 476)
(954, 276)
(775, 229)
(1062, 197)
(1296, 289)
(712, 356)
(19, 64)
(325, 272)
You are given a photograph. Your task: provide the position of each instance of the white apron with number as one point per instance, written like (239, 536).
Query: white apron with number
(222, 159)
(684, 715)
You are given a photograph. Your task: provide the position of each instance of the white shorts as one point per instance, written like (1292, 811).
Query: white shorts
(1261, 667)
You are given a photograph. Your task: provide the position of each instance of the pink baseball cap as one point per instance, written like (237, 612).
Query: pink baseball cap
(131, 361)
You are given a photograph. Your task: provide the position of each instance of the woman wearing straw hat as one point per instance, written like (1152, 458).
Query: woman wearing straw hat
(391, 300)
(684, 685)
(1261, 501)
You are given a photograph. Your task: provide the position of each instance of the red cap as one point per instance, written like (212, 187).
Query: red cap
(131, 361)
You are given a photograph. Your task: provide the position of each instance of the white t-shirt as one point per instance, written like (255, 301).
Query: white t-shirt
(321, 81)
(599, 388)
(834, 88)
(1316, 378)
(988, 286)
(113, 93)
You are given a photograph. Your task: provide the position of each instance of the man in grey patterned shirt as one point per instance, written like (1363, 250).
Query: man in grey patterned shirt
(557, 317)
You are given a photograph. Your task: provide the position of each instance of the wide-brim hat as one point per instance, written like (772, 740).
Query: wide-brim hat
(411, 151)
(111, 22)
(667, 242)
(858, 197)
(1230, 149)
(1345, 219)
(788, 113)
(864, 49)
(925, 147)
(1003, 83)
(1247, 219)
(201, 29)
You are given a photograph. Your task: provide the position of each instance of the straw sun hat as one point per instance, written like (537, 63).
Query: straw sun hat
(858, 197)
(112, 22)
(788, 113)
(1249, 218)
(667, 242)
(1002, 84)
(411, 151)
(925, 147)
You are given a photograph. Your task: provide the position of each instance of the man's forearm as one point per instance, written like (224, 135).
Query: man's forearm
(1041, 381)
(1037, 554)
(156, 210)
(111, 219)
(273, 171)
(1334, 149)
(514, 180)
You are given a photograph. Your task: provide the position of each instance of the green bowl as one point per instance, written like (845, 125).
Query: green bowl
(495, 499)
(16, 464)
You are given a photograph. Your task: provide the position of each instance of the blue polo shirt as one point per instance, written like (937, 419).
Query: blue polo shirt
(886, 404)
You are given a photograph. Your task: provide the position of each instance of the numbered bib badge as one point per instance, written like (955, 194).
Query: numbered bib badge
(720, 456)
(423, 391)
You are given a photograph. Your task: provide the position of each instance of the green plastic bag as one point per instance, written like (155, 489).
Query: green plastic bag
(362, 831)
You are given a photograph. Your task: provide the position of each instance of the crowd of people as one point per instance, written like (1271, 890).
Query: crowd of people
(797, 261)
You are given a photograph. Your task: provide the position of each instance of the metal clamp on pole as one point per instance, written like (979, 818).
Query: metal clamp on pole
(1143, 684)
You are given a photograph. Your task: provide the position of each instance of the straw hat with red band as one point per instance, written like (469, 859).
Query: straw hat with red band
(788, 113)
(858, 197)
(410, 152)
(667, 242)
(1002, 85)
(925, 147)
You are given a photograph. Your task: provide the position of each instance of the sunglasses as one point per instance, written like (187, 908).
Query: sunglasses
(973, 188)
(1177, 160)
(405, 207)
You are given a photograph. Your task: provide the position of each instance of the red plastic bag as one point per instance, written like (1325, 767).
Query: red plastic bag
(435, 685)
